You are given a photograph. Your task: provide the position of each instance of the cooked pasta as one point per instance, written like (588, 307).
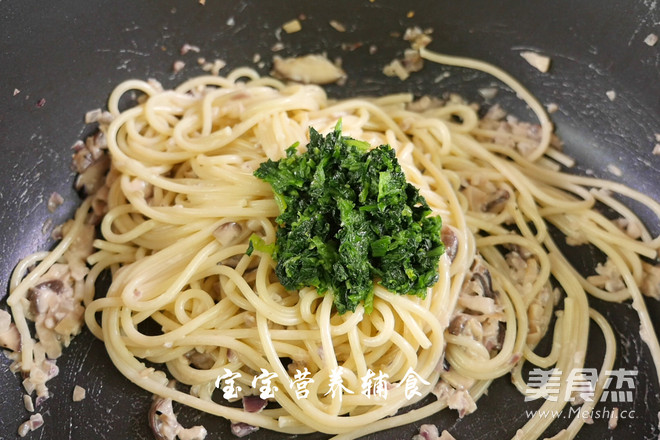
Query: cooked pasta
(185, 302)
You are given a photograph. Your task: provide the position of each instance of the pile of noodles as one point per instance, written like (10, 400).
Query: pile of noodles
(180, 202)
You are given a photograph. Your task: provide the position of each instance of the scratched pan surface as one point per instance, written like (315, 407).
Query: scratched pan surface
(71, 53)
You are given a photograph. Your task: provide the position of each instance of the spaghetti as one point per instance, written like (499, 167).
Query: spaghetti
(181, 202)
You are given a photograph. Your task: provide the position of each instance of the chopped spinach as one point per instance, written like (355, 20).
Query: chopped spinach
(348, 218)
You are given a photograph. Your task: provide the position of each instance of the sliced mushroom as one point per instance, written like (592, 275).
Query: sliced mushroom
(450, 240)
(496, 202)
(228, 233)
(501, 334)
(482, 276)
(494, 332)
(232, 261)
(466, 325)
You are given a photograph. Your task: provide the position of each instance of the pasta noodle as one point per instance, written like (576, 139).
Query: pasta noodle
(182, 202)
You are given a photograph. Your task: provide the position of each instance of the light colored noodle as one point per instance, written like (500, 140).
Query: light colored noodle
(184, 160)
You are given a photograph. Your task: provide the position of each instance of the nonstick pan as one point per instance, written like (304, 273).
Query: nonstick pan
(61, 59)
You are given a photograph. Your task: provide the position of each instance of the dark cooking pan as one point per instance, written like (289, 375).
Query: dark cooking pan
(65, 57)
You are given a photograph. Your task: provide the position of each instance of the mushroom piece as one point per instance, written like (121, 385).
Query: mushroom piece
(159, 419)
(55, 307)
(467, 325)
(450, 240)
(462, 402)
(494, 204)
(254, 404)
(651, 280)
(228, 233)
(93, 177)
(412, 61)
(35, 422)
(165, 426)
(9, 336)
(308, 69)
(39, 295)
(241, 429)
(427, 432)
(79, 393)
(481, 275)
(202, 361)
(459, 400)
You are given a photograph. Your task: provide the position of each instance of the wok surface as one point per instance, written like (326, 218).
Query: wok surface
(72, 53)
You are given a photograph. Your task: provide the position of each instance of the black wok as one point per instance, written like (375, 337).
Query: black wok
(65, 57)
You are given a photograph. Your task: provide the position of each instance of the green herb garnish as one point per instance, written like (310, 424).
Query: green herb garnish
(348, 219)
